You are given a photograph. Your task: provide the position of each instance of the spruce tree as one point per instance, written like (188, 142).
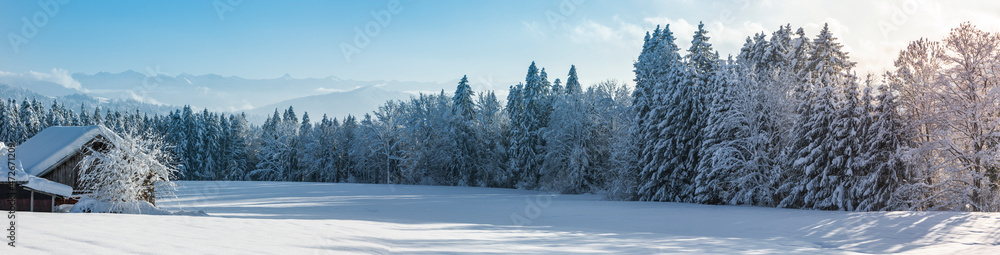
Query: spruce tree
(573, 82)
(884, 146)
(810, 181)
(641, 106)
(465, 112)
(720, 154)
(665, 135)
(462, 101)
(848, 129)
(703, 63)
(557, 87)
(526, 143)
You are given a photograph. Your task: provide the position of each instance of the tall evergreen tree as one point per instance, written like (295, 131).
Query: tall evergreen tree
(642, 104)
(848, 129)
(573, 82)
(557, 87)
(465, 138)
(526, 143)
(720, 149)
(665, 135)
(885, 168)
(690, 98)
(239, 158)
(825, 73)
(462, 101)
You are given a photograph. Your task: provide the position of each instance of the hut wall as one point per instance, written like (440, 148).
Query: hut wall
(66, 172)
(22, 200)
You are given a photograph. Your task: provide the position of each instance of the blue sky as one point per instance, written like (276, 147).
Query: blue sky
(491, 41)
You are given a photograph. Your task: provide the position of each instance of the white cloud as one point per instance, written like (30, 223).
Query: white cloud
(591, 32)
(143, 98)
(677, 26)
(629, 30)
(57, 75)
(326, 90)
(245, 106)
(533, 29)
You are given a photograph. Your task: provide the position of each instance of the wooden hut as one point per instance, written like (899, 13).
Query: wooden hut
(50, 175)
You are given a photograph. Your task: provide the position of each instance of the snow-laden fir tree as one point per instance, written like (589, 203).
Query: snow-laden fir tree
(642, 104)
(238, 157)
(573, 82)
(809, 181)
(306, 162)
(721, 152)
(883, 146)
(322, 154)
(779, 48)
(530, 116)
(346, 143)
(30, 119)
(277, 155)
(690, 97)
(666, 119)
(462, 100)
(84, 118)
(568, 165)
(464, 115)
(557, 87)
(849, 129)
(810, 154)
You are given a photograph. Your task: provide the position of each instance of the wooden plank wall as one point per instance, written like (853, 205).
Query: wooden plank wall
(66, 173)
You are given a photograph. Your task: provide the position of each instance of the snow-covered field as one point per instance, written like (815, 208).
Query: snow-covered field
(320, 218)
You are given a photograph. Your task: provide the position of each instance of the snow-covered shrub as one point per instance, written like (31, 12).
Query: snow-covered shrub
(126, 172)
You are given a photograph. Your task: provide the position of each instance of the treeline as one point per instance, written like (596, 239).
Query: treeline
(785, 123)
(468, 138)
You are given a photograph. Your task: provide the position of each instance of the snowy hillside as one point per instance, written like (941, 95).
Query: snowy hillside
(315, 218)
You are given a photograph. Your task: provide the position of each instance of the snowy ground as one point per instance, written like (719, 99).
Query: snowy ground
(315, 218)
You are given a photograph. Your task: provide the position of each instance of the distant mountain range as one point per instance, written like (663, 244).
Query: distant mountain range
(76, 101)
(225, 93)
(257, 97)
(337, 104)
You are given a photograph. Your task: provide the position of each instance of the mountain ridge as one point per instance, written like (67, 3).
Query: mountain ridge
(332, 95)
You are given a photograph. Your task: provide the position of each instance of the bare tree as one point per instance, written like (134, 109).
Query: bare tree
(126, 170)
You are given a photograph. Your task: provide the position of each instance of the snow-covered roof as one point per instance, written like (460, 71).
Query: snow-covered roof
(47, 186)
(18, 175)
(52, 146)
(30, 181)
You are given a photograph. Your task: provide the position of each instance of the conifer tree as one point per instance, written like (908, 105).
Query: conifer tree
(573, 82)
